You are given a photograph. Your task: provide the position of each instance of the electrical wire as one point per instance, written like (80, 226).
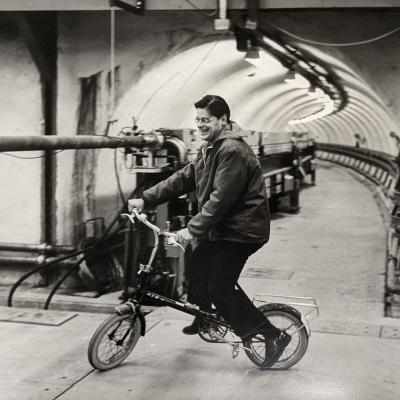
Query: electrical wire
(201, 11)
(28, 158)
(117, 177)
(112, 60)
(374, 39)
(221, 36)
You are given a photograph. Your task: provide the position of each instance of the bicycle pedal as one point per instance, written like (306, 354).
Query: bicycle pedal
(235, 350)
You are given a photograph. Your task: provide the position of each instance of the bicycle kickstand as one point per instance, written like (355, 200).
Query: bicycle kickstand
(234, 346)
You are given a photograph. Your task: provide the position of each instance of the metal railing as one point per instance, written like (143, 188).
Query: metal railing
(384, 171)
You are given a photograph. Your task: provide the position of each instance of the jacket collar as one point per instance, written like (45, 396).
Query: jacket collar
(231, 131)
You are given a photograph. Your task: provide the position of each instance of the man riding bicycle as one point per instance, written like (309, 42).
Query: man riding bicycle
(232, 223)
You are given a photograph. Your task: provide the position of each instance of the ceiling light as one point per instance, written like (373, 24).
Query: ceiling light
(315, 92)
(274, 45)
(261, 59)
(296, 80)
(290, 76)
(304, 64)
(253, 53)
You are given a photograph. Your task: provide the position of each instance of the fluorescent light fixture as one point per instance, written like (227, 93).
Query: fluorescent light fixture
(290, 76)
(329, 108)
(261, 59)
(296, 80)
(325, 98)
(318, 68)
(304, 65)
(271, 43)
(290, 47)
(315, 92)
(253, 53)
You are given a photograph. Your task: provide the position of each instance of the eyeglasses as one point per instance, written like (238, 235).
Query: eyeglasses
(204, 120)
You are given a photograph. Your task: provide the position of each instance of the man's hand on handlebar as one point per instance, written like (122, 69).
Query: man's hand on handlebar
(183, 236)
(135, 203)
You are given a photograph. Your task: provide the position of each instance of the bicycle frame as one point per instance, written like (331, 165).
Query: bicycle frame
(140, 289)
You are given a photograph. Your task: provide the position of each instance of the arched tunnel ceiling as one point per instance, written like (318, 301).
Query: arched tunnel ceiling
(260, 99)
(368, 111)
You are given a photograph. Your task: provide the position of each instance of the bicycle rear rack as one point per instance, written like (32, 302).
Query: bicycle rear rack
(306, 306)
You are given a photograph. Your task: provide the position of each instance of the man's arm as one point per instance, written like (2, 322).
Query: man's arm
(179, 183)
(229, 185)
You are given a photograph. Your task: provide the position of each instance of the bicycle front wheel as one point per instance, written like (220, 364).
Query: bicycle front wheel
(113, 341)
(287, 319)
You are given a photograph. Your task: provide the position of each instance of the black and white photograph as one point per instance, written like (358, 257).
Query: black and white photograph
(199, 199)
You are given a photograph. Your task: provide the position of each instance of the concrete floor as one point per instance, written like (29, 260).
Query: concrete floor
(333, 250)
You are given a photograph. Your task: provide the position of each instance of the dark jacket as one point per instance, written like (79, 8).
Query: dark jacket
(230, 190)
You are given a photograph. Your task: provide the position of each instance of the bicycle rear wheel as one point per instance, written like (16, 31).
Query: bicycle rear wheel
(113, 341)
(287, 319)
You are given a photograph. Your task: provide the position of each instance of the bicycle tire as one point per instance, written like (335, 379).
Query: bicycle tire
(106, 332)
(286, 318)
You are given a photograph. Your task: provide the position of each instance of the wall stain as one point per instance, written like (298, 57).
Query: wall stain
(85, 160)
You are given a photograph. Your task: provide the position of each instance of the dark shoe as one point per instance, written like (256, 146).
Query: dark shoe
(274, 347)
(192, 329)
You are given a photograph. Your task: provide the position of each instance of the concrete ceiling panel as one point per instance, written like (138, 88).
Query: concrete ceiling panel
(331, 133)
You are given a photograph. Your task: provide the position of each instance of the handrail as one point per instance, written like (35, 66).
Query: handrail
(381, 168)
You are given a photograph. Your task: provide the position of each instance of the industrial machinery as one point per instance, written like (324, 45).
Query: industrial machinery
(105, 261)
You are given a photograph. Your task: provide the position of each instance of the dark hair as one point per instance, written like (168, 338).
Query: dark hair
(215, 105)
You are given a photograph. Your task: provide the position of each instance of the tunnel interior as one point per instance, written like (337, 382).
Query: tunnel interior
(261, 96)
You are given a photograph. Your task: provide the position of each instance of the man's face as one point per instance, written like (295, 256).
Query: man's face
(208, 125)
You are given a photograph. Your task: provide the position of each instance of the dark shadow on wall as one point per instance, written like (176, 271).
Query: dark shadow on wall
(95, 100)
(85, 161)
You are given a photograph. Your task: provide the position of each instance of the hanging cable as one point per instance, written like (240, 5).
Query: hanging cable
(28, 158)
(118, 179)
(200, 10)
(374, 39)
(221, 36)
(112, 98)
(112, 60)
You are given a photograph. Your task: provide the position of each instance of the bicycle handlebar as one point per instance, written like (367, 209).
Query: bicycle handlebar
(171, 237)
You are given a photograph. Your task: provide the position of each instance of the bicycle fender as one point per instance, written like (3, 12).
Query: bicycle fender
(288, 309)
(142, 320)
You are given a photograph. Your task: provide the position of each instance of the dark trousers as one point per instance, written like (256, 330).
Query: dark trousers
(214, 269)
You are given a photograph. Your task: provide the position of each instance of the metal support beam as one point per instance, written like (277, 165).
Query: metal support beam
(182, 5)
(30, 143)
(137, 7)
(39, 31)
(43, 248)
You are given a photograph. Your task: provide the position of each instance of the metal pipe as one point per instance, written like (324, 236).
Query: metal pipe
(42, 248)
(26, 261)
(223, 8)
(252, 13)
(42, 267)
(31, 143)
